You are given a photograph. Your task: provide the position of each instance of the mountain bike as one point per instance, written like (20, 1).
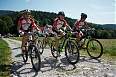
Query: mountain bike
(69, 46)
(33, 52)
(92, 45)
(47, 40)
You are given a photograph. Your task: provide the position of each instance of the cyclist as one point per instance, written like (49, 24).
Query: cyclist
(60, 24)
(26, 24)
(59, 27)
(79, 24)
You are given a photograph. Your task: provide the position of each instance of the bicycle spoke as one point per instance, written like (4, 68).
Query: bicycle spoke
(94, 48)
(35, 58)
(72, 53)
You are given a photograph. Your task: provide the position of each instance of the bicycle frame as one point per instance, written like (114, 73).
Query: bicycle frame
(47, 40)
(86, 36)
(64, 38)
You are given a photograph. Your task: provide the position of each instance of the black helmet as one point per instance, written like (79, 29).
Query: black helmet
(25, 12)
(61, 13)
(83, 15)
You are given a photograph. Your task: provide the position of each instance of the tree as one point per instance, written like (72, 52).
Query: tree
(3, 27)
(8, 21)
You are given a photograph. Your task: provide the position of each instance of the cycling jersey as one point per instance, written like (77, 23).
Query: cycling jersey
(26, 25)
(59, 23)
(79, 24)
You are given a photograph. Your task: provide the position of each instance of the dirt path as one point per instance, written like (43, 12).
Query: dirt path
(51, 67)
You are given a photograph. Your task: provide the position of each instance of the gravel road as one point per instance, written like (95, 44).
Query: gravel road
(51, 67)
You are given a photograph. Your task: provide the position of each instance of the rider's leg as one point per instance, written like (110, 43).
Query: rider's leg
(56, 42)
(24, 41)
(77, 37)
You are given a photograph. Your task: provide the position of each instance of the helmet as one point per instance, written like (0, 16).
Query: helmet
(61, 13)
(25, 12)
(83, 15)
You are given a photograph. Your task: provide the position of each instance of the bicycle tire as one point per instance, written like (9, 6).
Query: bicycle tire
(40, 47)
(69, 49)
(25, 56)
(89, 52)
(34, 54)
(53, 51)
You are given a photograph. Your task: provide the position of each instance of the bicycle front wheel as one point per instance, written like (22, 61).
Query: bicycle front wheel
(54, 49)
(72, 52)
(40, 47)
(35, 58)
(94, 48)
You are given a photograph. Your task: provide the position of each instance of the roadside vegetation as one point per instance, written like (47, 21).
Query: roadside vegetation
(5, 59)
(109, 46)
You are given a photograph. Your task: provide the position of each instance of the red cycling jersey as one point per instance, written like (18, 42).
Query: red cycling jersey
(79, 24)
(59, 23)
(25, 24)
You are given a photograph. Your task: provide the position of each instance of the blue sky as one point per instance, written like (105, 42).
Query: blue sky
(98, 11)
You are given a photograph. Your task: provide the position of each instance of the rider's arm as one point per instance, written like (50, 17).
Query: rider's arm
(35, 25)
(77, 25)
(37, 28)
(55, 23)
(65, 24)
(86, 26)
(19, 25)
(20, 31)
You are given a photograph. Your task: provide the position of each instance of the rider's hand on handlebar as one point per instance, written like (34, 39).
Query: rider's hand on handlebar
(21, 32)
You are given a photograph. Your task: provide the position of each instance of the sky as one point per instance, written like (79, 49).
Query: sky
(98, 11)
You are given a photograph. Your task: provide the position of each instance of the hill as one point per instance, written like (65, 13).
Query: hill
(109, 26)
(5, 12)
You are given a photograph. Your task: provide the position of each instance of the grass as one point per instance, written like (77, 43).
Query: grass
(109, 49)
(5, 59)
(109, 46)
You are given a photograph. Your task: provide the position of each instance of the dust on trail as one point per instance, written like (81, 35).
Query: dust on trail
(51, 67)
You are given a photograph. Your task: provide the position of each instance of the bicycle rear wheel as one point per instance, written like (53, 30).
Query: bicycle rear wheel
(94, 48)
(54, 49)
(25, 56)
(35, 58)
(72, 52)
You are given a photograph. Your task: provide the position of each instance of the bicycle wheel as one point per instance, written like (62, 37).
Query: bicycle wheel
(25, 56)
(72, 52)
(94, 48)
(54, 49)
(35, 58)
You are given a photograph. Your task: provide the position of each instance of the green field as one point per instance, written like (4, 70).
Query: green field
(109, 46)
(5, 59)
(109, 49)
